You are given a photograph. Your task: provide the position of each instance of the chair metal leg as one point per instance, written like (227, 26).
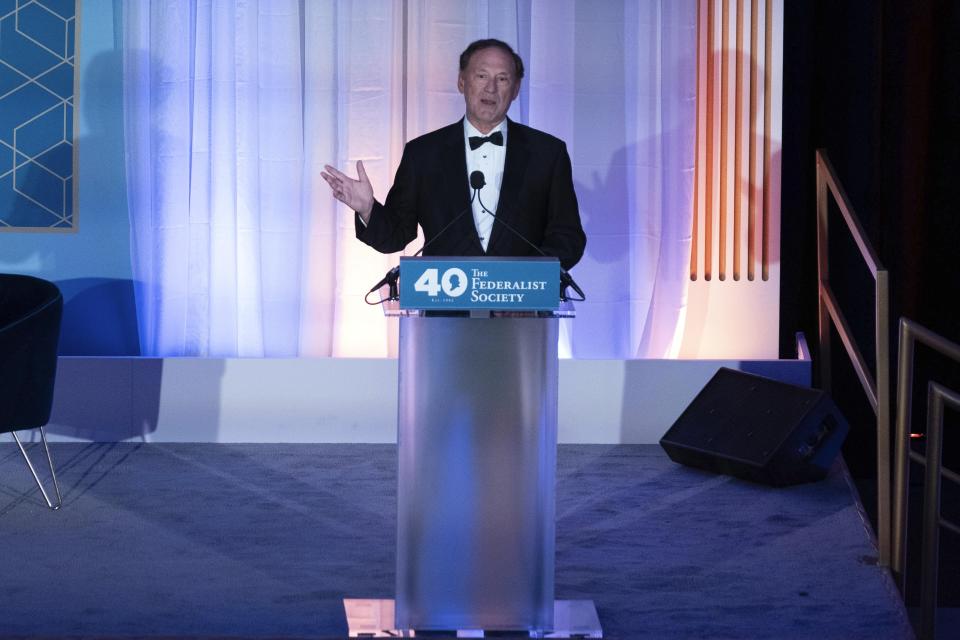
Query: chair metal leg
(53, 473)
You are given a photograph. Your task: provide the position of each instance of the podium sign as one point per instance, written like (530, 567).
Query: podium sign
(462, 284)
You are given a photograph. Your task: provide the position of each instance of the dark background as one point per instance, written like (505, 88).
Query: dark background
(877, 84)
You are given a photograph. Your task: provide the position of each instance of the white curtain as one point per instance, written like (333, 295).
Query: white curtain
(617, 81)
(232, 107)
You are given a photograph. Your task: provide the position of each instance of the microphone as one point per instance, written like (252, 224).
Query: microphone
(390, 279)
(566, 280)
(477, 182)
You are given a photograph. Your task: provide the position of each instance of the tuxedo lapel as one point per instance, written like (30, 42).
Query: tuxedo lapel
(457, 189)
(514, 169)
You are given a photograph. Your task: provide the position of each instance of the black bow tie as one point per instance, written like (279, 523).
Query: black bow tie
(494, 138)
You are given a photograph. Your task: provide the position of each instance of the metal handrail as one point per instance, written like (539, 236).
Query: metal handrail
(877, 388)
(937, 397)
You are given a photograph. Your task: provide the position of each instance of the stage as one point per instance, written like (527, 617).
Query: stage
(265, 540)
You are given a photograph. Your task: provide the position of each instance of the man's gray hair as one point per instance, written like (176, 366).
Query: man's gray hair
(477, 45)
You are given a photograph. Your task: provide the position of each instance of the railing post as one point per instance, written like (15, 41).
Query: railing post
(931, 511)
(882, 352)
(823, 275)
(902, 454)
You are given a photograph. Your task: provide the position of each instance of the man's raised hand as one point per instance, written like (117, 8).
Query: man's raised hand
(356, 194)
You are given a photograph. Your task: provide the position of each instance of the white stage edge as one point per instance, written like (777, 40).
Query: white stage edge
(353, 399)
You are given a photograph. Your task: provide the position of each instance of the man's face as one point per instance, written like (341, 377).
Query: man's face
(488, 84)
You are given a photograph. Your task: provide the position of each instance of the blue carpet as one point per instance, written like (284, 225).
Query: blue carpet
(215, 540)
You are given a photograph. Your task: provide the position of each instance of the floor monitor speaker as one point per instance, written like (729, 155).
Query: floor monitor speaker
(758, 429)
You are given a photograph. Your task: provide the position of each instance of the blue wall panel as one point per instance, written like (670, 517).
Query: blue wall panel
(36, 114)
(91, 263)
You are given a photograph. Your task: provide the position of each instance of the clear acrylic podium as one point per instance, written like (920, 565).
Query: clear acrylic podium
(477, 432)
(477, 442)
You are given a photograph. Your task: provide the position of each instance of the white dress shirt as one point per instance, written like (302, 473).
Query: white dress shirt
(488, 158)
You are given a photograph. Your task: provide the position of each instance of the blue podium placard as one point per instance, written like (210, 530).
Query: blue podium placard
(462, 284)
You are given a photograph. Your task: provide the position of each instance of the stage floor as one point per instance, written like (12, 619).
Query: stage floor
(244, 541)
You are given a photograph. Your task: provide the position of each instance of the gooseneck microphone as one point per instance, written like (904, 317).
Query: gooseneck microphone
(476, 183)
(390, 279)
(566, 280)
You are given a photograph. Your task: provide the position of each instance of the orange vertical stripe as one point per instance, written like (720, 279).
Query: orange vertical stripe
(752, 179)
(737, 150)
(767, 56)
(708, 196)
(695, 236)
(724, 137)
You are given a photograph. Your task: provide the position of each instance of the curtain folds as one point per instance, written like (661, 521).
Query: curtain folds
(232, 108)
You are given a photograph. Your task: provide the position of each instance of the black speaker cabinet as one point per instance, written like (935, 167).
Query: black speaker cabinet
(758, 429)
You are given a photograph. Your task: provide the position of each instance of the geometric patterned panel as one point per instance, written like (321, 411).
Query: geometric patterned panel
(37, 160)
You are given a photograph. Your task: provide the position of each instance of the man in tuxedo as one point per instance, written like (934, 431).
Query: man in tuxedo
(527, 175)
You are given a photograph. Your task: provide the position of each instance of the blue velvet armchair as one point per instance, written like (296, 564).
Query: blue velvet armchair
(30, 314)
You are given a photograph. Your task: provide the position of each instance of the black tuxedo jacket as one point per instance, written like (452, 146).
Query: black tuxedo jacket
(432, 188)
